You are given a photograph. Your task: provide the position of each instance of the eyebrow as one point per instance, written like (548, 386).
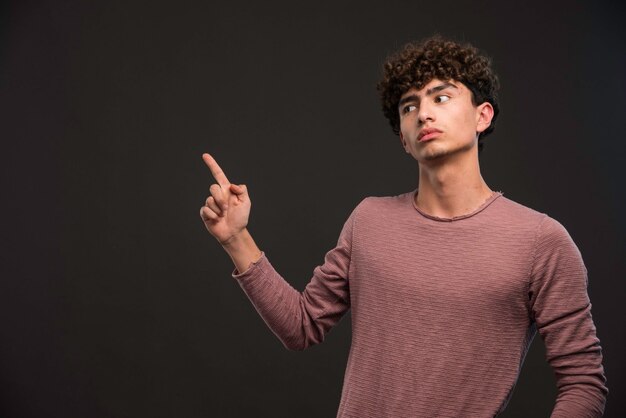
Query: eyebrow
(430, 91)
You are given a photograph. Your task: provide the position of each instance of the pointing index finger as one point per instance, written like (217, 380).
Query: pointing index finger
(216, 170)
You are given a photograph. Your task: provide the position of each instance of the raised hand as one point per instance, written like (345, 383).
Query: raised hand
(226, 211)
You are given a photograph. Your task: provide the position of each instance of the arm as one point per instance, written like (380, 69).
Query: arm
(561, 309)
(298, 319)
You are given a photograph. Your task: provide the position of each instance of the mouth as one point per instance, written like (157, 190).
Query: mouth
(427, 134)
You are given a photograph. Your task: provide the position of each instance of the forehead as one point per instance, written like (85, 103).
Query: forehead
(435, 82)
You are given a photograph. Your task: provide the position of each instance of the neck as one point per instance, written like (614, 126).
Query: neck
(451, 188)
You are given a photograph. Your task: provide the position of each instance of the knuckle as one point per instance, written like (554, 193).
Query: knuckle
(205, 214)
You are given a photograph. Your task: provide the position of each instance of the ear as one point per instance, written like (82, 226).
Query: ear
(484, 115)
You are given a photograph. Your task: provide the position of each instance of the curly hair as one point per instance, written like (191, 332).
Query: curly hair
(417, 63)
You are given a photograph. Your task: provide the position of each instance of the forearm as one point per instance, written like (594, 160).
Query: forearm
(584, 401)
(242, 250)
(298, 319)
(575, 354)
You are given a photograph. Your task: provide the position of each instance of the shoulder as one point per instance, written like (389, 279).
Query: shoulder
(516, 219)
(387, 202)
(553, 249)
(552, 234)
(374, 209)
(547, 227)
(384, 206)
(554, 246)
(516, 210)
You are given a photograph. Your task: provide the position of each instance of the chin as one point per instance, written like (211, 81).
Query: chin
(435, 154)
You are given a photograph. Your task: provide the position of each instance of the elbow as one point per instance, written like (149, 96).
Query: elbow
(305, 334)
(294, 345)
(300, 342)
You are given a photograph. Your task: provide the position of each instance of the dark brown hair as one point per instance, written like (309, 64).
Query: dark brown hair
(417, 63)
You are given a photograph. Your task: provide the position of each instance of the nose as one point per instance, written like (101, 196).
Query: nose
(425, 113)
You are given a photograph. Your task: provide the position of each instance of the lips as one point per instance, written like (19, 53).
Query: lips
(428, 133)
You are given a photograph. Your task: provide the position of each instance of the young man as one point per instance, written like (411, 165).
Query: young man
(449, 283)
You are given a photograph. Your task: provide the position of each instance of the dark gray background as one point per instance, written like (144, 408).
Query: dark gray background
(116, 302)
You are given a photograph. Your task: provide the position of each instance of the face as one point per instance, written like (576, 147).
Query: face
(440, 120)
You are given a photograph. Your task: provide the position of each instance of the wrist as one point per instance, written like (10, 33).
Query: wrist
(242, 250)
(236, 240)
(241, 245)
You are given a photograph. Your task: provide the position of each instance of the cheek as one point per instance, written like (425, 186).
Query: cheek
(404, 134)
(407, 123)
(470, 122)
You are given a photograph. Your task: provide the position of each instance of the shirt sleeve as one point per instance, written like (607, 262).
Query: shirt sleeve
(561, 308)
(302, 319)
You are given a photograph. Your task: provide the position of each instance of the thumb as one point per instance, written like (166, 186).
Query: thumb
(238, 189)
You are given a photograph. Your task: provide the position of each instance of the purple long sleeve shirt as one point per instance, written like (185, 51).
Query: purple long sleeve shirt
(443, 309)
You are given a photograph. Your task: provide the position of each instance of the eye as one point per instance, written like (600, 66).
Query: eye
(441, 98)
(408, 108)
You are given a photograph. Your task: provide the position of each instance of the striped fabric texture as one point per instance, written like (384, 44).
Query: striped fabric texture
(443, 309)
